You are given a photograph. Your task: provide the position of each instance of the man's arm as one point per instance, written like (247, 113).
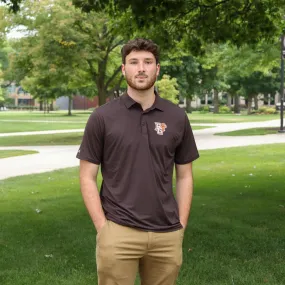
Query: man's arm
(90, 194)
(184, 191)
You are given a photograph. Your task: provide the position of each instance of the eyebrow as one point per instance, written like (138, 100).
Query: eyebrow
(148, 58)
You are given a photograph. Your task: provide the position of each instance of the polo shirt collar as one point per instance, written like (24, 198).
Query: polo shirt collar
(129, 101)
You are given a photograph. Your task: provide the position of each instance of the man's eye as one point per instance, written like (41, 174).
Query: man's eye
(148, 62)
(133, 62)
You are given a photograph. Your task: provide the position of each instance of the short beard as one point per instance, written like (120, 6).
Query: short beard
(149, 83)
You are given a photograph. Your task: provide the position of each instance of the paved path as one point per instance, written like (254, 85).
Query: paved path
(57, 157)
(41, 133)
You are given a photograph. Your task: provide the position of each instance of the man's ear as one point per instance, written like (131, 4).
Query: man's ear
(123, 69)
(157, 69)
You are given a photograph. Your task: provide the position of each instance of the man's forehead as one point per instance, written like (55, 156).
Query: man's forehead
(140, 55)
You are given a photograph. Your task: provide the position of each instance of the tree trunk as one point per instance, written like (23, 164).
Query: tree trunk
(69, 105)
(229, 100)
(249, 103)
(216, 101)
(51, 106)
(101, 96)
(256, 102)
(237, 104)
(41, 105)
(188, 105)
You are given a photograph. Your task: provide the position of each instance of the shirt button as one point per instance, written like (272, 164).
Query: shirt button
(143, 123)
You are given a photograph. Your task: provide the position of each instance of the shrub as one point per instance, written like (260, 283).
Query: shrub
(271, 111)
(264, 111)
(205, 109)
(225, 110)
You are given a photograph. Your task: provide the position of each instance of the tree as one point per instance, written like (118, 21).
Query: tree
(200, 21)
(67, 50)
(13, 5)
(186, 70)
(224, 67)
(167, 88)
(258, 83)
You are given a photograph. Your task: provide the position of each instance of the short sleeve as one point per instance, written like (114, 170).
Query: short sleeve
(91, 148)
(186, 151)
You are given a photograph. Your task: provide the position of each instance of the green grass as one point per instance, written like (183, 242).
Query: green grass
(251, 132)
(52, 139)
(196, 117)
(200, 127)
(10, 127)
(13, 152)
(81, 116)
(235, 234)
(41, 116)
(47, 139)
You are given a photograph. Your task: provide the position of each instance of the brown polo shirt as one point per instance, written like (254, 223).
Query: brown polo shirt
(137, 150)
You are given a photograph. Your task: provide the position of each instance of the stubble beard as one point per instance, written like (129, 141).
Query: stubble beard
(149, 83)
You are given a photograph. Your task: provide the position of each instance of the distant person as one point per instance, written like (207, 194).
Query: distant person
(137, 139)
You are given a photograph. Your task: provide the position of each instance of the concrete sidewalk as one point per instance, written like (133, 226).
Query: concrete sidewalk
(41, 133)
(57, 157)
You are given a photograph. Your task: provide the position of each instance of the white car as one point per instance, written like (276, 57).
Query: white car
(278, 106)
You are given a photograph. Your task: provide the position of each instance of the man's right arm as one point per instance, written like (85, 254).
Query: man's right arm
(90, 194)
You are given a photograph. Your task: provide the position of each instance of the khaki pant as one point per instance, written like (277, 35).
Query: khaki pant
(122, 251)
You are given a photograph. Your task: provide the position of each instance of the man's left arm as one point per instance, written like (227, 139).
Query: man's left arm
(184, 191)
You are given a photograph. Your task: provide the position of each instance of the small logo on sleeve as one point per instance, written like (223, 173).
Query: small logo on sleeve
(160, 128)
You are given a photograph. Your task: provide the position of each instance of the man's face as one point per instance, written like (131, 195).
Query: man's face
(140, 70)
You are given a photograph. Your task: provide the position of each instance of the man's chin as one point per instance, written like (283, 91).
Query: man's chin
(142, 87)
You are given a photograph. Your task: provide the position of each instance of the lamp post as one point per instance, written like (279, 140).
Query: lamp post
(282, 84)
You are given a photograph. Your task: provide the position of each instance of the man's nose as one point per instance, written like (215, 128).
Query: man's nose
(141, 67)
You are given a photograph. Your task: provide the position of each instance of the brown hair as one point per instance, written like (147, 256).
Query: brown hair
(140, 45)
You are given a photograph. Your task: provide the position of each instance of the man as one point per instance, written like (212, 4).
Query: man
(137, 138)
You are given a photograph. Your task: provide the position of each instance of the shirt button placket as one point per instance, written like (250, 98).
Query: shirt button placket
(144, 126)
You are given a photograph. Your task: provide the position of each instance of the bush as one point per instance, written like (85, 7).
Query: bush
(25, 107)
(264, 111)
(225, 110)
(205, 109)
(271, 111)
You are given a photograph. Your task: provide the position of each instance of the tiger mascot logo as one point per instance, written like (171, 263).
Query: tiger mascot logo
(160, 128)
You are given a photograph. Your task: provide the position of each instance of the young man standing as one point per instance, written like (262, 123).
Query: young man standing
(137, 139)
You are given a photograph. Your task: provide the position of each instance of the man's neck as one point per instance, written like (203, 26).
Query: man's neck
(145, 98)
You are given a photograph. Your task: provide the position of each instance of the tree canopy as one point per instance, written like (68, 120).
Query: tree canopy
(200, 21)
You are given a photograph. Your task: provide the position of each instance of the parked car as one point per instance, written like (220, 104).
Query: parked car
(278, 106)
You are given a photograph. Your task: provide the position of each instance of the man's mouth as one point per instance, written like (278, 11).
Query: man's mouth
(141, 77)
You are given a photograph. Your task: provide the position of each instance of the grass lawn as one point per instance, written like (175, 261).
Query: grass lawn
(52, 139)
(200, 127)
(251, 132)
(10, 127)
(235, 234)
(13, 152)
(196, 117)
(48, 139)
(81, 117)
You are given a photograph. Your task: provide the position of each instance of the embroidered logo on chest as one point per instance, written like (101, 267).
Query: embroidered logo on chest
(160, 128)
